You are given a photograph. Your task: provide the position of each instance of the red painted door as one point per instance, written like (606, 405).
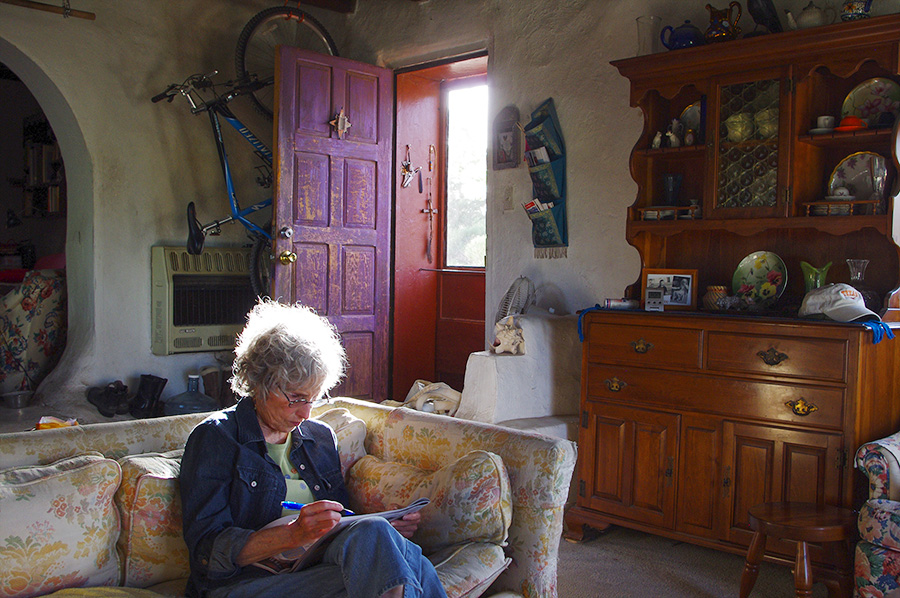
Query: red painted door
(333, 204)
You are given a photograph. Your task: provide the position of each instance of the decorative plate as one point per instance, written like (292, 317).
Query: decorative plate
(760, 278)
(872, 97)
(821, 130)
(690, 117)
(864, 174)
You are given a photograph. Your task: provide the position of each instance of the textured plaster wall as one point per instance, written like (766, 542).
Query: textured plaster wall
(132, 165)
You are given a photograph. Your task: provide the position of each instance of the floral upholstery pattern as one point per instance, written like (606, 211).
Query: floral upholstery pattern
(467, 571)
(351, 435)
(469, 498)
(149, 499)
(32, 329)
(877, 559)
(58, 526)
(539, 467)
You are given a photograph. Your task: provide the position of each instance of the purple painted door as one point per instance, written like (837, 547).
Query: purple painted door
(334, 194)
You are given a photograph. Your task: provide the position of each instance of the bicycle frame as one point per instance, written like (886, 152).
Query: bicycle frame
(262, 151)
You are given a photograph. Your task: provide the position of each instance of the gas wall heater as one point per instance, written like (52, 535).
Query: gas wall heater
(199, 302)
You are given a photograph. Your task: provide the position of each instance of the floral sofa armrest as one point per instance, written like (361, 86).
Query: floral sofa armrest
(540, 470)
(880, 461)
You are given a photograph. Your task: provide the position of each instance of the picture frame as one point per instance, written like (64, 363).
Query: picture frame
(506, 150)
(679, 287)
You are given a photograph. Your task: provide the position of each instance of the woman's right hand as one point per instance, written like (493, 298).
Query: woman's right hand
(314, 520)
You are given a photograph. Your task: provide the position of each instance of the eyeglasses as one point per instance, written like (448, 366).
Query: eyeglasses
(296, 399)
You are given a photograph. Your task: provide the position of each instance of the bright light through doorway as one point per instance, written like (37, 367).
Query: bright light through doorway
(467, 137)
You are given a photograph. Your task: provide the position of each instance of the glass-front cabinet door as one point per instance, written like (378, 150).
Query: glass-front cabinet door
(750, 138)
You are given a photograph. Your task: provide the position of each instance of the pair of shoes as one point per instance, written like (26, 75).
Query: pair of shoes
(110, 400)
(145, 403)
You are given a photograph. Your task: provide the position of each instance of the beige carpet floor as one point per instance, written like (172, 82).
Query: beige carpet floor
(623, 563)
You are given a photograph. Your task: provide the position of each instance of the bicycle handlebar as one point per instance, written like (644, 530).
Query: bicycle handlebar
(201, 82)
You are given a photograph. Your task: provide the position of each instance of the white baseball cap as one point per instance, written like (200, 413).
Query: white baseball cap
(840, 302)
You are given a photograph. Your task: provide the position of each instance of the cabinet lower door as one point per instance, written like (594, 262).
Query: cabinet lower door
(698, 476)
(764, 464)
(629, 466)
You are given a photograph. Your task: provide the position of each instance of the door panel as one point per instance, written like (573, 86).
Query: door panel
(334, 194)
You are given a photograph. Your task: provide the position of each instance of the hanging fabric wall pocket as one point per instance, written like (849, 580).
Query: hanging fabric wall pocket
(545, 155)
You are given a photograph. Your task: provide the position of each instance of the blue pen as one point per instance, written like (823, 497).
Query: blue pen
(296, 506)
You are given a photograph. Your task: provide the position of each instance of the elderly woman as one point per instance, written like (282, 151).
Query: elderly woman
(241, 463)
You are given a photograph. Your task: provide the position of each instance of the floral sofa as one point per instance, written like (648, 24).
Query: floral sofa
(877, 559)
(94, 510)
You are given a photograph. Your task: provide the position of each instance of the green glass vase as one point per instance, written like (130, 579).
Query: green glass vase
(814, 277)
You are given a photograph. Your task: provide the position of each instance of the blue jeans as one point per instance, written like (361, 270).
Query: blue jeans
(363, 561)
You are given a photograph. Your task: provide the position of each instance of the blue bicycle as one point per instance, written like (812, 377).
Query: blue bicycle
(255, 66)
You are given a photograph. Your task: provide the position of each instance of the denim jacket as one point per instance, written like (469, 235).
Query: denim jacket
(230, 488)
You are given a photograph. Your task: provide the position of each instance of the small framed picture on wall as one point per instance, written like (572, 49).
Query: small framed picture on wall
(677, 287)
(507, 148)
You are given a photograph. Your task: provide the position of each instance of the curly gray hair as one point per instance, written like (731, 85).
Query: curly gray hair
(286, 346)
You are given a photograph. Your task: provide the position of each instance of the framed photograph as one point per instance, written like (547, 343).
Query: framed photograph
(679, 288)
(507, 147)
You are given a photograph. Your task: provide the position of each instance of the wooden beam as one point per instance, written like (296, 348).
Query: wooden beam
(51, 8)
(345, 6)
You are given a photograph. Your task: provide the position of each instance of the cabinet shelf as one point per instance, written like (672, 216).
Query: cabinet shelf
(840, 138)
(831, 225)
(685, 150)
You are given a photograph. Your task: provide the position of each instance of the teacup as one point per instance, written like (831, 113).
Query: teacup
(852, 121)
(841, 192)
(739, 126)
(825, 122)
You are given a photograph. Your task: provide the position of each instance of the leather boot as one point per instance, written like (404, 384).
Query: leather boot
(144, 403)
(109, 400)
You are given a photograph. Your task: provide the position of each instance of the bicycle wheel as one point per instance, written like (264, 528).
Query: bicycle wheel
(255, 53)
(261, 266)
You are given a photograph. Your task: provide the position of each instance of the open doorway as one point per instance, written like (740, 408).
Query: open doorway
(439, 283)
(33, 318)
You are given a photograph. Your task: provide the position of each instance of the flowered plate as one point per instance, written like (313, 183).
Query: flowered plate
(870, 98)
(760, 278)
(864, 174)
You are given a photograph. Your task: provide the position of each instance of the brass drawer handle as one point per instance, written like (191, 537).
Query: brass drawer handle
(641, 346)
(801, 406)
(772, 356)
(615, 385)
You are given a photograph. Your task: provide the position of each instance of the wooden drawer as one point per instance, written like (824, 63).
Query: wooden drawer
(799, 357)
(645, 346)
(729, 397)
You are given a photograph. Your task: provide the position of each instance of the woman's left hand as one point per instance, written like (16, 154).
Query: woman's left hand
(407, 524)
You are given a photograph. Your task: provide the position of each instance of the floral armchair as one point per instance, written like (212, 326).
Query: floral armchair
(32, 329)
(877, 559)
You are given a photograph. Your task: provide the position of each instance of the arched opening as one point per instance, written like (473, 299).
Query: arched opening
(78, 245)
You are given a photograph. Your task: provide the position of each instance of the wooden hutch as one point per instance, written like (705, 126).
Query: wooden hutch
(691, 418)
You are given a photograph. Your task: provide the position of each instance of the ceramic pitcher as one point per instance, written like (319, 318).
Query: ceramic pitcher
(856, 9)
(723, 23)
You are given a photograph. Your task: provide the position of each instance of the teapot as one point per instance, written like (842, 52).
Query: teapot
(811, 16)
(684, 36)
(721, 26)
(855, 10)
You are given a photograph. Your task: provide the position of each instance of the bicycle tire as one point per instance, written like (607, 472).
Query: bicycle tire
(255, 52)
(261, 266)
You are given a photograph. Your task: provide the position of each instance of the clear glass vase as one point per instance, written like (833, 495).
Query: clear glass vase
(858, 282)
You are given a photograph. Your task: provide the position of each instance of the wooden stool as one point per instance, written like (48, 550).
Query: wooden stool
(804, 523)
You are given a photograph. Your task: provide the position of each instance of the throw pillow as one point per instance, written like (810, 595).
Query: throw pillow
(470, 498)
(351, 435)
(149, 499)
(59, 526)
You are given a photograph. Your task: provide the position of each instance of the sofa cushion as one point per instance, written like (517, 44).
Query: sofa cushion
(879, 522)
(58, 526)
(149, 499)
(351, 435)
(470, 498)
(467, 571)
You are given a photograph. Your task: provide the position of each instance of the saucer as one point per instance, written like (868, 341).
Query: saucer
(840, 197)
(819, 131)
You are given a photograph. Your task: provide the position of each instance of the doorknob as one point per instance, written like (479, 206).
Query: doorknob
(287, 257)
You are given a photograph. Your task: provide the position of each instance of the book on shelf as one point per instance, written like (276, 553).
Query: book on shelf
(311, 554)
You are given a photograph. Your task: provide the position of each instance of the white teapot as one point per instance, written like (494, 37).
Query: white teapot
(811, 16)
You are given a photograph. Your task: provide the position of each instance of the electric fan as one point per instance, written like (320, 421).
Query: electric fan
(517, 299)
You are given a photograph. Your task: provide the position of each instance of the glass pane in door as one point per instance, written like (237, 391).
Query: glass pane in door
(748, 145)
